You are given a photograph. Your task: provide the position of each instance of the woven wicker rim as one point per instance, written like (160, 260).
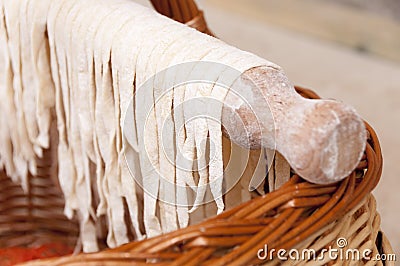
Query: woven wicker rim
(281, 219)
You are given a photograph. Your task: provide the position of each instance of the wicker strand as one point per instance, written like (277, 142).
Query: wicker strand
(280, 219)
(185, 11)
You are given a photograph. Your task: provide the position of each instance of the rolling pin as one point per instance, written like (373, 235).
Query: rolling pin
(322, 140)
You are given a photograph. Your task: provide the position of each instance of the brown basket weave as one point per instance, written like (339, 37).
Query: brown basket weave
(36, 217)
(298, 215)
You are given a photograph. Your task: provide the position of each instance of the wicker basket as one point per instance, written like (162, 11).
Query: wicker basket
(298, 215)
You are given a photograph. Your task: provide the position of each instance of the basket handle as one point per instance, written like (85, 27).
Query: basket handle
(184, 11)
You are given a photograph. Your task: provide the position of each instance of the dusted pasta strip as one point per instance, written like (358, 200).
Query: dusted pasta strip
(87, 90)
(124, 170)
(24, 157)
(66, 170)
(236, 159)
(184, 134)
(73, 145)
(7, 115)
(216, 94)
(87, 85)
(84, 175)
(44, 86)
(282, 171)
(28, 104)
(163, 95)
(147, 136)
(109, 97)
(122, 55)
(38, 93)
(206, 126)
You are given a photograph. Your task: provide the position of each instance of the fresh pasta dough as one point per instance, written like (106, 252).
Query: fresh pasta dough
(110, 75)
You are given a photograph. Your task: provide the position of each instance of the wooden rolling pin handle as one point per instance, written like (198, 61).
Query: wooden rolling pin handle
(323, 140)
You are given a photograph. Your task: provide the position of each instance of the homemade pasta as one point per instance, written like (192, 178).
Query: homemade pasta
(90, 66)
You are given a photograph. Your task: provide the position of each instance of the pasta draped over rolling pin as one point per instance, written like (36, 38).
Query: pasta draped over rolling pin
(82, 64)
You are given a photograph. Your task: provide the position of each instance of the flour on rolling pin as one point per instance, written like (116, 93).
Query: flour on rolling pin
(137, 123)
(323, 140)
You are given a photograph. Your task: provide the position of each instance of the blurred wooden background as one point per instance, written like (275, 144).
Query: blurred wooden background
(366, 25)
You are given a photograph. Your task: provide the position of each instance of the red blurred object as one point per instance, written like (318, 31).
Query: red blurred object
(14, 255)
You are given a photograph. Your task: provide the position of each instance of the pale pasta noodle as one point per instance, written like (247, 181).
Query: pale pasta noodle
(127, 135)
